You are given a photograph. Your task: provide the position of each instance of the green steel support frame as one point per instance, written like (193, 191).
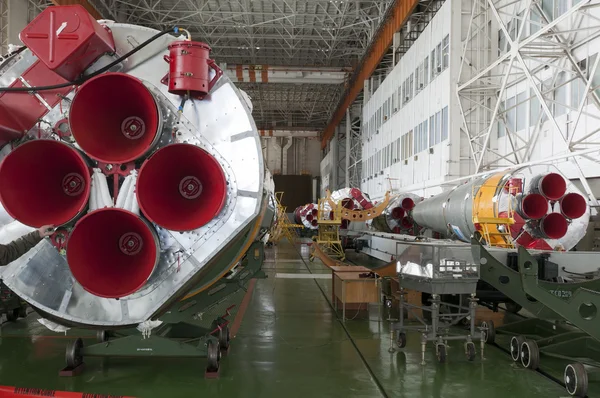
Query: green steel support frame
(182, 332)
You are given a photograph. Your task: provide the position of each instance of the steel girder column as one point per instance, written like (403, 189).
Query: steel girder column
(483, 81)
(396, 16)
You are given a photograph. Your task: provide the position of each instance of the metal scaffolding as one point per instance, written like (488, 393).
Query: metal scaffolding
(528, 44)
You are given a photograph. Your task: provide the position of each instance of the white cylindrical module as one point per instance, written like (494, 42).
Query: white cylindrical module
(547, 211)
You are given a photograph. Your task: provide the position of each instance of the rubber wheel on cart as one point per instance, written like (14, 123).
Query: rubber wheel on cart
(401, 340)
(74, 354)
(12, 315)
(576, 379)
(441, 353)
(530, 355)
(470, 351)
(212, 356)
(515, 347)
(224, 338)
(512, 307)
(101, 336)
(489, 332)
(23, 311)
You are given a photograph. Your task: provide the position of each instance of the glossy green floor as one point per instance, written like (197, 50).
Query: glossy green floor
(290, 344)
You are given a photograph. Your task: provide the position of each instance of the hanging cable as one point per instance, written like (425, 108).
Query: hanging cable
(83, 79)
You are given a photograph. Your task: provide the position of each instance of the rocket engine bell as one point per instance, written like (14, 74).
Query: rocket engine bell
(135, 159)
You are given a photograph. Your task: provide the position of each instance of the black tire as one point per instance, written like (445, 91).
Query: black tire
(12, 315)
(441, 353)
(224, 338)
(213, 355)
(23, 311)
(74, 355)
(530, 355)
(515, 347)
(489, 332)
(576, 379)
(512, 307)
(101, 336)
(470, 351)
(401, 340)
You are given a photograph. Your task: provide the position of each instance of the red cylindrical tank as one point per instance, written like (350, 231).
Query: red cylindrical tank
(189, 69)
(44, 182)
(114, 118)
(112, 252)
(573, 205)
(181, 187)
(514, 186)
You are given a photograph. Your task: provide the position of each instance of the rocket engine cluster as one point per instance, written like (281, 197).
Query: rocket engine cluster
(142, 154)
(535, 207)
(350, 198)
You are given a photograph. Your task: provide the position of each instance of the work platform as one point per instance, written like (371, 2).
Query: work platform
(290, 342)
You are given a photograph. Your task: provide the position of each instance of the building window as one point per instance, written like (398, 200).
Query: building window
(501, 42)
(521, 111)
(445, 124)
(425, 129)
(535, 21)
(433, 74)
(438, 127)
(438, 59)
(501, 128)
(446, 52)
(426, 72)
(410, 86)
(534, 109)
(560, 95)
(417, 80)
(407, 145)
(432, 131)
(511, 113)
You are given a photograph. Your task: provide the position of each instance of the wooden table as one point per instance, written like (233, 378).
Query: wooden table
(343, 268)
(354, 289)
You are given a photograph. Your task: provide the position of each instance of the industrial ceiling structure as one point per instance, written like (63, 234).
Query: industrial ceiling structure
(315, 43)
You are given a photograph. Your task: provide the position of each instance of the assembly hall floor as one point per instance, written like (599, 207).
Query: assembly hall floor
(290, 343)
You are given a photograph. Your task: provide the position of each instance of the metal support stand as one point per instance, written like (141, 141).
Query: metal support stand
(182, 333)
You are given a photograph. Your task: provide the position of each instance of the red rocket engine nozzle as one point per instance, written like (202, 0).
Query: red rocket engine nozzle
(181, 187)
(44, 182)
(554, 226)
(552, 185)
(397, 213)
(348, 204)
(112, 252)
(314, 222)
(406, 223)
(114, 118)
(408, 204)
(533, 206)
(573, 205)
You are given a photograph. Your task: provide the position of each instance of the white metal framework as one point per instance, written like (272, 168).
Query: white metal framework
(3, 26)
(527, 77)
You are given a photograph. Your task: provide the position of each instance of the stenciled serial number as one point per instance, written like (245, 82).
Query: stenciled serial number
(562, 293)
